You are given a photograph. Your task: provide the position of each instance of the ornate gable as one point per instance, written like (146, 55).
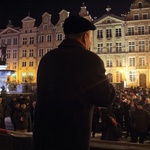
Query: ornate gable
(9, 30)
(109, 19)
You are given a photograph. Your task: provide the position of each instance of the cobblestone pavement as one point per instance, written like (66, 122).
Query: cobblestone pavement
(123, 139)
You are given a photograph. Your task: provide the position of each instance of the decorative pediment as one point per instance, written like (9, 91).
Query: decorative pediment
(26, 19)
(9, 30)
(109, 19)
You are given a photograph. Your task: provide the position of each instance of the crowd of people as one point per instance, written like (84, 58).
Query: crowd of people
(20, 110)
(129, 113)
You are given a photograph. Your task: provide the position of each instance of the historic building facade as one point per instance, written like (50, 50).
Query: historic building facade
(123, 43)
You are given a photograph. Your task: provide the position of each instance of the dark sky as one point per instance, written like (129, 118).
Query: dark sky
(16, 10)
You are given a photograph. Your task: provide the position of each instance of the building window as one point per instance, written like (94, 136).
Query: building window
(48, 49)
(142, 61)
(118, 32)
(8, 41)
(41, 38)
(119, 62)
(31, 64)
(108, 33)
(132, 76)
(140, 5)
(118, 76)
(99, 34)
(24, 41)
(23, 64)
(8, 66)
(59, 37)
(48, 37)
(141, 46)
(41, 52)
(109, 62)
(24, 53)
(148, 29)
(131, 46)
(15, 41)
(131, 30)
(109, 47)
(31, 40)
(14, 65)
(145, 16)
(14, 53)
(45, 26)
(136, 17)
(141, 30)
(132, 61)
(31, 53)
(100, 48)
(30, 77)
(118, 47)
(8, 54)
(13, 77)
(24, 76)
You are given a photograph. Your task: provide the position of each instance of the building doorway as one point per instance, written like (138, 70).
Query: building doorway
(142, 80)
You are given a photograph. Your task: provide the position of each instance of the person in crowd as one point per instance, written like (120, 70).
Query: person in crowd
(140, 119)
(70, 81)
(111, 129)
(14, 109)
(21, 99)
(146, 106)
(2, 113)
(22, 119)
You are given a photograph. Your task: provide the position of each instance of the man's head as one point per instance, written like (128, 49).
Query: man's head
(80, 29)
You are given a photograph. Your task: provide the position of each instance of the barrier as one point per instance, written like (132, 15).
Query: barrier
(12, 140)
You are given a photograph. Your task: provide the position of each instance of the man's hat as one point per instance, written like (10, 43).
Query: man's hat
(77, 24)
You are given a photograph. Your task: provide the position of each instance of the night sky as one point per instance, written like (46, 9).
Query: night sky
(16, 10)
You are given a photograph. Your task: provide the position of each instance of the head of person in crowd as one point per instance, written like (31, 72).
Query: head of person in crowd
(23, 106)
(139, 105)
(147, 101)
(80, 29)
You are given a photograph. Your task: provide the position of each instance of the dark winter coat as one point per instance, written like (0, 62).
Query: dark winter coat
(140, 120)
(70, 80)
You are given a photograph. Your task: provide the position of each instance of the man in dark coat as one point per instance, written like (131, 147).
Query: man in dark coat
(70, 80)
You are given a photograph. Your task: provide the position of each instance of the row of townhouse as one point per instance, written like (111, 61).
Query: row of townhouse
(123, 43)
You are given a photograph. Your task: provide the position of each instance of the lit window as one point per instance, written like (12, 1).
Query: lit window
(41, 52)
(132, 76)
(14, 53)
(141, 30)
(59, 37)
(131, 30)
(118, 47)
(100, 48)
(41, 38)
(142, 61)
(118, 32)
(109, 62)
(141, 46)
(31, 40)
(24, 53)
(24, 41)
(108, 33)
(109, 47)
(132, 61)
(99, 34)
(131, 46)
(118, 76)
